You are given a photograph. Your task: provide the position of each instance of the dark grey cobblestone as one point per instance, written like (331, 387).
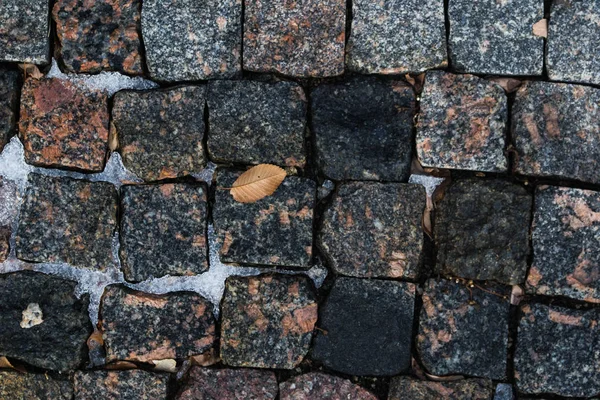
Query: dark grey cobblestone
(24, 31)
(9, 97)
(120, 385)
(16, 385)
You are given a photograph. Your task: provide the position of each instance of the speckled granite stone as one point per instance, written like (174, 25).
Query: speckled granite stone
(404, 387)
(120, 385)
(24, 31)
(9, 97)
(374, 230)
(396, 36)
(556, 131)
(63, 125)
(267, 321)
(482, 231)
(464, 331)
(496, 36)
(15, 386)
(160, 132)
(363, 129)
(163, 230)
(142, 327)
(558, 351)
(229, 384)
(67, 220)
(566, 233)
(9, 209)
(56, 339)
(4, 242)
(302, 38)
(99, 35)
(188, 40)
(366, 327)
(257, 122)
(316, 385)
(462, 124)
(504, 391)
(276, 230)
(573, 37)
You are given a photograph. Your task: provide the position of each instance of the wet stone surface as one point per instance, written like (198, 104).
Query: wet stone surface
(566, 233)
(121, 385)
(188, 40)
(374, 230)
(364, 129)
(160, 132)
(558, 351)
(276, 230)
(496, 37)
(67, 220)
(9, 97)
(16, 385)
(302, 39)
(24, 31)
(404, 387)
(482, 231)
(142, 327)
(369, 327)
(99, 35)
(316, 385)
(63, 125)
(391, 37)
(556, 131)
(462, 123)
(267, 321)
(257, 122)
(43, 323)
(163, 230)
(464, 331)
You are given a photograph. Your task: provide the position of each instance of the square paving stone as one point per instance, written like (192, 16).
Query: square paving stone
(366, 327)
(226, 384)
(163, 230)
(120, 385)
(24, 31)
(143, 327)
(556, 131)
(267, 321)
(9, 97)
(99, 35)
(63, 125)
(316, 385)
(566, 233)
(496, 36)
(43, 323)
(482, 231)
(573, 37)
(276, 230)
(363, 129)
(396, 37)
(187, 40)
(301, 38)
(558, 351)
(463, 330)
(462, 124)
(374, 230)
(257, 122)
(161, 131)
(67, 220)
(404, 387)
(16, 385)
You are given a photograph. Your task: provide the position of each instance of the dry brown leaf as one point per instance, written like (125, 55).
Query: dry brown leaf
(113, 139)
(31, 70)
(449, 378)
(166, 365)
(508, 84)
(121, 365)
(540, 28)
(257, 182)
(516, 295)
(4, 363)
(416, 81)
(205, 359)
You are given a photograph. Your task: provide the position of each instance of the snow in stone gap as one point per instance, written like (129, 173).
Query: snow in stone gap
(429, 182)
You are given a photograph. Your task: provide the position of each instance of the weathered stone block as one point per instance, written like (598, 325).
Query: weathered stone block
(404, 387)
(24, 31)
(9, 97)
(122, 385)
(16, 385)
(316, 385)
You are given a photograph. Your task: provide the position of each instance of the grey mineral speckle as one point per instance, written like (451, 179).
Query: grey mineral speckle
(404, 388)
(317, 385)
(120, 385)
(19, 386)
(24, 31)
(504, 391)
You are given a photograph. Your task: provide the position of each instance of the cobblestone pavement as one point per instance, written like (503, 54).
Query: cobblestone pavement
(437, 235)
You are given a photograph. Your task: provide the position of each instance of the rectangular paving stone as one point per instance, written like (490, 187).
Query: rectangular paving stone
(187, 40)
(9, 97)
(161, 132)
(24, 31)
(566, 233)
(396, 37)
(120, 385)
(374, 230)
(496, 36)
(163, 230)
(363, 129)
(257, 122)
(404, 387)
(462, 123)
(558, 351)
(303, 38)
(276, 230)
(463, 330)
(67, 220)
(556, 131)
(317, 385)
(16, 385)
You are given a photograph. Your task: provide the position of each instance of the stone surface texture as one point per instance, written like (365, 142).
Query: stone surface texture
(16, 386)
(257, 122)
(363, 129)
(24, 31)
(5, 233)
(462, 123)
(120, 385)
(9, 209)
(404, 387)
(9, 97)
(317, 385)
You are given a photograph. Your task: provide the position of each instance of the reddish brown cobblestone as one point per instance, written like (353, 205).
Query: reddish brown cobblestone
(316, 385)
(19, 386)
(229, 384)
(404, 388)
(120, 385)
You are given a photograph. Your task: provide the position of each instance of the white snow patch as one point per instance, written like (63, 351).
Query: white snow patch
(430, 182)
